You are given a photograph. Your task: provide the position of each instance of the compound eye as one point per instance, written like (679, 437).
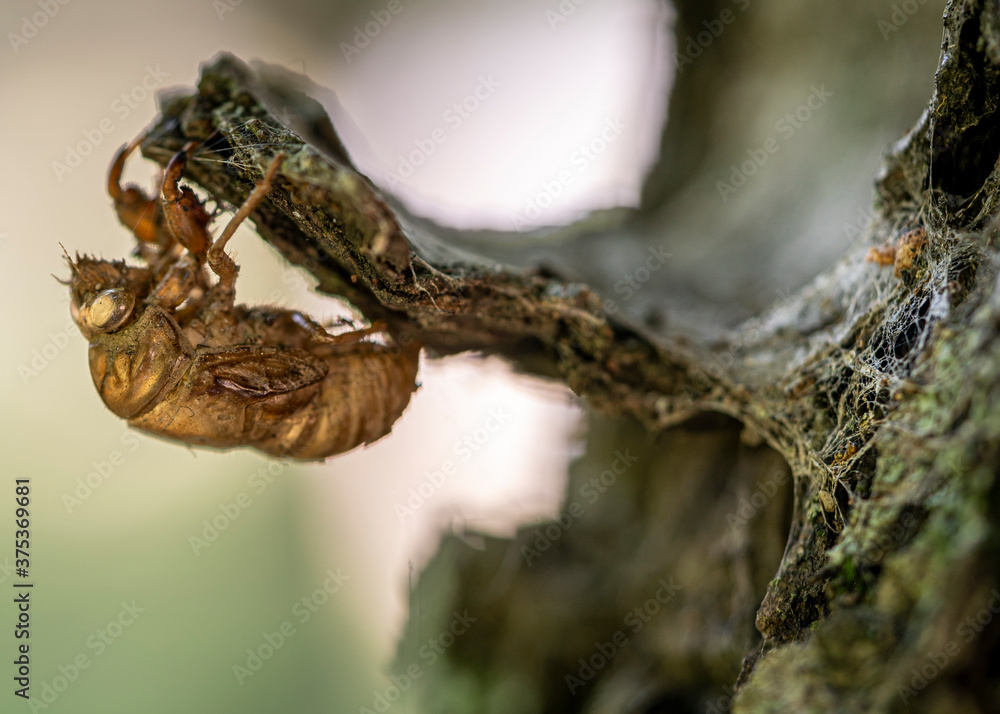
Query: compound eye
(110, 309)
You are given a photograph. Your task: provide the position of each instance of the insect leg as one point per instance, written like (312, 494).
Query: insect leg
(185, 215)
(136, 211)
(320, 335)
(181, 279)
(220, 262)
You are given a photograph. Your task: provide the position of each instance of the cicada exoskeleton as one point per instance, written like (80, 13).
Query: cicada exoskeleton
(171, 351)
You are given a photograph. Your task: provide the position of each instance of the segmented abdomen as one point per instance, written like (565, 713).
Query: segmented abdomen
(363, 394)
